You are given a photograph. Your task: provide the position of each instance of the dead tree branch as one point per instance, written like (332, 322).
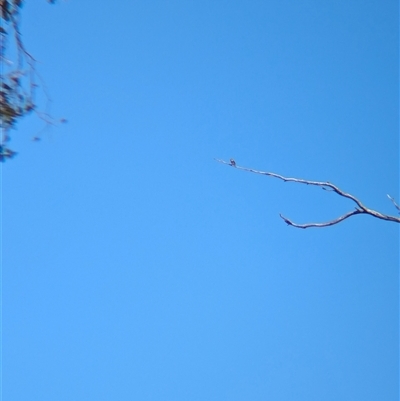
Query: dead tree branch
(359, 209)
(394, 203)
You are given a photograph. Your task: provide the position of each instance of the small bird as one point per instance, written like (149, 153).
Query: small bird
(233, 163)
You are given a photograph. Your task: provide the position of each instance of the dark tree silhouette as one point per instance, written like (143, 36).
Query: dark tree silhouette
(18, 76)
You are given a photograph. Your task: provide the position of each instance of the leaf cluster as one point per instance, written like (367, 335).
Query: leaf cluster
(17, 74)
(9, 8)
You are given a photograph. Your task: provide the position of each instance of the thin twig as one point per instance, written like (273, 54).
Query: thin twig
(360, 209)
(394, 203)
(25, 57)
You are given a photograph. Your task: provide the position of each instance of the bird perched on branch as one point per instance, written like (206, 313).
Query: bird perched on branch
(233, 163)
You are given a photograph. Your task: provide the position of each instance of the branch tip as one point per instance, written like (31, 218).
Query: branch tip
(327, 186)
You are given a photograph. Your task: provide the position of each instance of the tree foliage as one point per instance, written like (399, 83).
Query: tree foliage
(18, 75)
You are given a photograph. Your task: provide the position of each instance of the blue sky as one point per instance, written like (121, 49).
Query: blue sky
(135, 267)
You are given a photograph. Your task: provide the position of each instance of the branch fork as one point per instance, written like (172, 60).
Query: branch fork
(327, 186)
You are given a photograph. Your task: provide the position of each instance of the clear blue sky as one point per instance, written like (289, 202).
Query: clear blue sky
(135, 267)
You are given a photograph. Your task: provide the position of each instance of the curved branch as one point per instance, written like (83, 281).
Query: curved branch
(360, 209)
(319, 225)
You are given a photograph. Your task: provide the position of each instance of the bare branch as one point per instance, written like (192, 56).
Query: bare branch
(360, 209)
(319, 225)
(394, 203)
